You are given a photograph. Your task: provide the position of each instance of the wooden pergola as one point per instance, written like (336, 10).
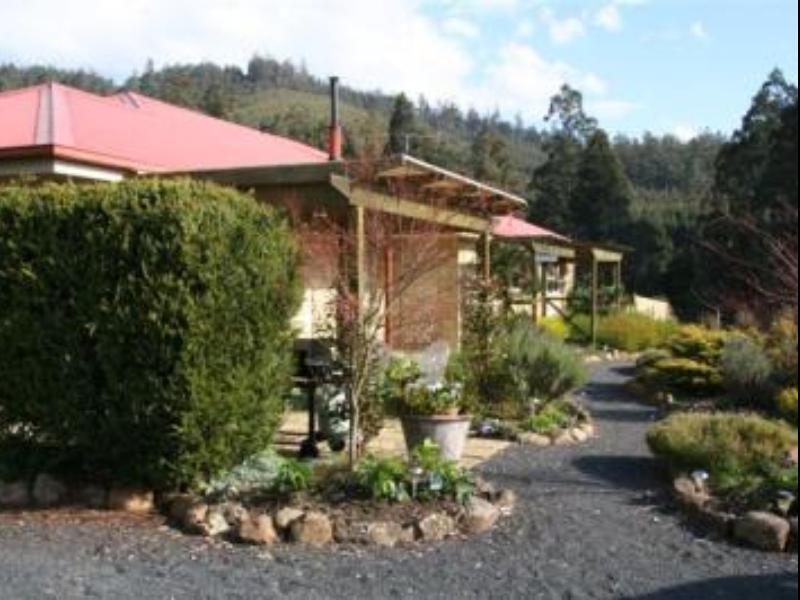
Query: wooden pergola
(592, 256)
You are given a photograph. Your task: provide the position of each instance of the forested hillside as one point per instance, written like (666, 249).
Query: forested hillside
(653, 193)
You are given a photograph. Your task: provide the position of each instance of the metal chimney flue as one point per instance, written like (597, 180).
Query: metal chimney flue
(335, 129)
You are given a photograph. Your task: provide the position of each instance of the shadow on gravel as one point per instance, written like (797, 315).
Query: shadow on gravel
(637, 473)
(768, 587)
(607, 391)
(623, 416)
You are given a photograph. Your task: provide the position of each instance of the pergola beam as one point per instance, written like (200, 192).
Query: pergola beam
(380, 202)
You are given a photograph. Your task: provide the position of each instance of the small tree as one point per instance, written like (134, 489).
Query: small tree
(400, 257)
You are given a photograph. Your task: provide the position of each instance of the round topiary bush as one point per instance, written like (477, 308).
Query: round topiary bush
(144, 327)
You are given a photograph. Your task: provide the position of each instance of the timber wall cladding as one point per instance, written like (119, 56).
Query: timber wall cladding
(425, 308)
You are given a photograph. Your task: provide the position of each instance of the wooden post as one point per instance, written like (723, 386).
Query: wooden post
(594, 300)
(388, 263)
(487, 257)
(543, 286)
(618, 284)
(361, 257)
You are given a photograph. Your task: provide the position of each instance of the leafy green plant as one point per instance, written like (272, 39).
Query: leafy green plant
(384, 478)
(746, 371)
(743, 453)
(146, 326)
(443, 477)
(256, 473)
(552, 417)
(407, 394)
(539, 366)
(426, 476)
(292, 476)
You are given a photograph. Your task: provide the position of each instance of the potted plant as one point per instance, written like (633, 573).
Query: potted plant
(428, 411)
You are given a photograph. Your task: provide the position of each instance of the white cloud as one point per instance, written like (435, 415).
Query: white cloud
(562, 31)
(611, 110)
(684, 132)
(393, 45)
(698, 30)
(609, 17)
(521, 80)
(461, 27)
(389, 44)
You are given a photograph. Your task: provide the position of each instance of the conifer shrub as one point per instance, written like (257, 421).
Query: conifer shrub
(144, 326)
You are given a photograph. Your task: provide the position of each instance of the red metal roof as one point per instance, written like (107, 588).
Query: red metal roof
(134, 132)
(509, 226)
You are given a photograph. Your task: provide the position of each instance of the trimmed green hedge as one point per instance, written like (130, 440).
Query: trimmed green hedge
(144, 326)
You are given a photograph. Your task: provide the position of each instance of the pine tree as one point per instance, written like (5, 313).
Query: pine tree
(401, 126)
(600, 205)
(553, 185)
(489, 158)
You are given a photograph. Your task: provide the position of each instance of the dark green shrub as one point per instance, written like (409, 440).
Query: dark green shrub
(144, 326)
(746, 372)
(743, 453)
(539, 366)
(787, 405)
(781, 346)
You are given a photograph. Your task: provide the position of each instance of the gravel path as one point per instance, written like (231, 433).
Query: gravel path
(589, 524)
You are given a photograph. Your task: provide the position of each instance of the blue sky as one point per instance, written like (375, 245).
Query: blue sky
(676, 66)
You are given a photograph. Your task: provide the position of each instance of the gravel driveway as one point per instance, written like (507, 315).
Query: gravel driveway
(590, 524)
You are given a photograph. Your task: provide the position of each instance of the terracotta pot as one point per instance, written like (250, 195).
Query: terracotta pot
(449, 432)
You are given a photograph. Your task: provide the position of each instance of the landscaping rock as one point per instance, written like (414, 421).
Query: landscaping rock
(792, 546)
(588, 429)
(256, 529)
(14, 494)
(235, 513)
(92, 496)
(132, 500)
(215, 523)
(506, 500)
(384, 533)
(435, 527)
(479, 516)
(689, 495)
(178, 506)
(763, 530)
(195, 517)
(48, 491)
(314, 529)
(484, 489)
(578, 434)
(564, 439)
(286, 516)
(535, 439)
(408, 535)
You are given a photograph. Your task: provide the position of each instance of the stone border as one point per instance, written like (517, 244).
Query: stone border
(233, 521)
(758, 529)
(315, 527)
(47, 491)
(563, 437)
